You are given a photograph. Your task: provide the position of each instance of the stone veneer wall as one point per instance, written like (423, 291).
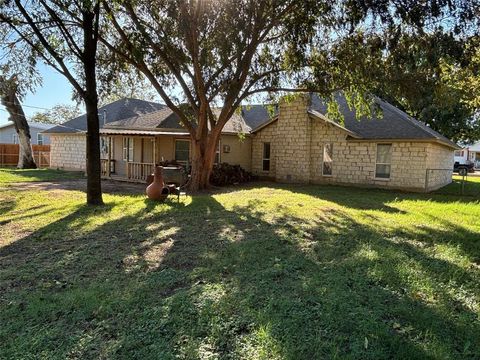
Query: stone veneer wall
(292, 138)
(439, 166)
(354, 161)
(297, 142)
(68, 151)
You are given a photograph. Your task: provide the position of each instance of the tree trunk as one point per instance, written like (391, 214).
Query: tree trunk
(94, 181)
(203, 157)
(12, 104)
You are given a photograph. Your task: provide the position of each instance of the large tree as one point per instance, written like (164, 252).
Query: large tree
(421, 76)
(217, 53)
(64, 34)
(10, 99)
(18, 76)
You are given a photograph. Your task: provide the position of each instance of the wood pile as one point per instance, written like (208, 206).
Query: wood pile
(226, 174)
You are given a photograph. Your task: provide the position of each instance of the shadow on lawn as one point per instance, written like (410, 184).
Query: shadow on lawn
(188, 281)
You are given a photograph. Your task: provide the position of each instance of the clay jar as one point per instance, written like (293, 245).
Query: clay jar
(157, 190)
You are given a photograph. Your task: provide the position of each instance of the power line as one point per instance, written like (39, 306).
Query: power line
(29, 106)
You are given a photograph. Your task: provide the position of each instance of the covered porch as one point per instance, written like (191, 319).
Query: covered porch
(130, 155)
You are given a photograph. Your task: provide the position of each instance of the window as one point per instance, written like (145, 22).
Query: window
(459, 153)
(266, 157)
(182, 150)
(39, 139)
(14, 139)
(104, 144)
(128, 149)
(384, 160)
(327, 167)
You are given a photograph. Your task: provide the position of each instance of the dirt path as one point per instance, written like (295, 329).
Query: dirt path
(108, 186)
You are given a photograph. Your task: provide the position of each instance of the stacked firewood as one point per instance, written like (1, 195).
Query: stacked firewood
(226, 174)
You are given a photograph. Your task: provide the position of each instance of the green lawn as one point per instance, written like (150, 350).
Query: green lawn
(267, 272)
(12, 175)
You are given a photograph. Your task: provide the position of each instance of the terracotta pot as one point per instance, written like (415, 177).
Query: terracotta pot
(157, 190)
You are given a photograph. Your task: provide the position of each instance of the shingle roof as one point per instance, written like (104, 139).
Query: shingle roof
(31, 124)
(393, 124)
(117, 110)
(167, 119)
(137, 114)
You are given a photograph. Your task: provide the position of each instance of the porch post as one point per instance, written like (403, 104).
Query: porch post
(154, 150)
(109, 155)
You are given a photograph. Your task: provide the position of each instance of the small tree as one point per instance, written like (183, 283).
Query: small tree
(64, 34)
(218, 53)
(57, 114)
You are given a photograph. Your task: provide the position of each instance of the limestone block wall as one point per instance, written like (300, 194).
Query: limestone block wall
(439, 170)
(353, 160)
(293, 140)
(267, 134)
(68, 151)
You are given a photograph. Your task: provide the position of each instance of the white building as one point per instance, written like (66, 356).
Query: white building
(8, 135)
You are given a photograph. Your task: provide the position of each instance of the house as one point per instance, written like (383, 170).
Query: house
(8, 134)
(297, 144)
(469, 154)
(461, 156)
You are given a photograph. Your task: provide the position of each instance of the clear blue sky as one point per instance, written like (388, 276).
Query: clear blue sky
(54, 90)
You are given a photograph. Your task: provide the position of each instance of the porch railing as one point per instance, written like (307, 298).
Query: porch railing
(138, 171)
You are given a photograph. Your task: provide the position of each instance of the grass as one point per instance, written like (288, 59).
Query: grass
(12, 175)
(267, 272)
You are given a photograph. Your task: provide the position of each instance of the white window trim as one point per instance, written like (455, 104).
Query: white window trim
(377, 163)
(269, 158)
(323, 159)
(14, 139)
(126, 149)
(175, 150)
(38, 140)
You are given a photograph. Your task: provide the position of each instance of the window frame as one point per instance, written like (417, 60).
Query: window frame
(377, 163)
(127, 148)
(40, 139)
(175, 150)
(264, 158)
(15, 139)
(324, 149)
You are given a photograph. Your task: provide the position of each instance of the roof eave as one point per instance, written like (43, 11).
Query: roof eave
(323, 117)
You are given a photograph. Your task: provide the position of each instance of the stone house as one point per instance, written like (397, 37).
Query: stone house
(298, 144)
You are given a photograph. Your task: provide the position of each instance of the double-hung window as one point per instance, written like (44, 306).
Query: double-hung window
(327, 164)
(128, 149)
(39, 139)
(384, 161)
(266, 157)
(182, 151)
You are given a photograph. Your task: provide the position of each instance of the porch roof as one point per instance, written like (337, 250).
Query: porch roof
(141, 132)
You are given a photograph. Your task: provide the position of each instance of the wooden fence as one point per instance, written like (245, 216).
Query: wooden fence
(9, 155)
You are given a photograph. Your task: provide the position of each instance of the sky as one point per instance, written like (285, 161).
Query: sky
(54, 90)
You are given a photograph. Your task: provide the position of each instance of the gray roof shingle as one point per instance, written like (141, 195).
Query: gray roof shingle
(393, 124)
(167, 119)
(117, 110)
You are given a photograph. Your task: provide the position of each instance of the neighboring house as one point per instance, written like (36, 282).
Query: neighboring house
(470, 154)
(461, 156)
(298, 144)
(8, 135)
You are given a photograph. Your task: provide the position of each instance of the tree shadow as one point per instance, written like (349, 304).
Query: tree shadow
(192, 279)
